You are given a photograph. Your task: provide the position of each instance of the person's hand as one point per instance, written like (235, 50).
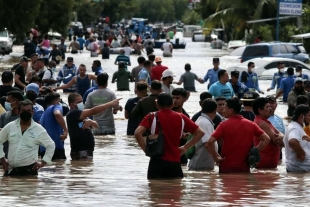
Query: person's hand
(200, 80)
(120, 108)
(278, 141)
(306, 137)
(64, 135)
(268, 89)
(300, 157)
(38, 165)
(261, 92)
(115, 102)
(185, 135)
(218, 159)
(5, 164)
(87, 124)
(182, 150)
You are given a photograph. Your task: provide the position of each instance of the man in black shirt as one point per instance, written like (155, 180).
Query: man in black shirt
(55, 54)
(7, 82)
(20, 74)
(149, 48)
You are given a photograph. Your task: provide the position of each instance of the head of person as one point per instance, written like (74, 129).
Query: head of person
(141, 89)
(52, 99)
(216, 63)
(248, 98)
(62, 40)
(122, 51)
(307, 86)
(52, 65)
(69, 61)
(302, 114)
(12, 100)
(299, 85)
(141, 60)
(149, 43)
(298, 70)
(261, 107)
(37, 80)
(91, 39)
(167, 40)
(75, 101)
(302, 99)
(273, 104)
(147, 65)
(281, 67)
(33, 58)
(96, 64)
(156, 87)
(221, 101)
(121, 66)
(167, 76)
(164, 101)
(179, 96)
(54, 46)
(23, 61)
(234, 76)
(126, 44)
(232, 107)
(187, 67)
(7, 77)
(151, 57)
(39, 64)
(223, 76)
(203, 96)
(290, 71)
(209, 106)
(100, 38)
(25, 110)
(158, 60)
(102, 79)
(32, 91)
(105, 45)
(82, 70)
(251, 67)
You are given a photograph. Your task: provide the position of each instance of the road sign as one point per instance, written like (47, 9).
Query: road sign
(290, 7)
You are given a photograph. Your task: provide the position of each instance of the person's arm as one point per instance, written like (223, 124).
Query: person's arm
(295, 145)
(280, 92)
(139, 136)
(45, 140)
(90, 124)
(92, 77)
(60, 75)
(135, 113)
(272, 135)
(180, 81)
(197, 135)
(273, 83)
(133, 75)
(116, 61)
(18, 82)
(257, 86)
(126, 114)
(206, 78)
(68, 85)
(114, 78)
(291, 100)
(61, 121)
(281, 89)
(4, 135)
(47, 78)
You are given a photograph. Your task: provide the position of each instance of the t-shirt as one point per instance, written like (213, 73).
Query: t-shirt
(80, 139)
(216, 121)
(135, 73)
(145, 76)
(49, 74)
(286, 85)
(22, 77)
(133, 122)
(149, 50)
(236, 143)
(4, 89)
(81, 42)
(218, 89)
(38, 111)
(166, 48)
(157, 72)
(54, 130)
(202, 159)
(295, 131)
(249, 115)
(171, 123)
(124, 59)
(188, 78)
(127, 51)
(122, 78)
(167, 89)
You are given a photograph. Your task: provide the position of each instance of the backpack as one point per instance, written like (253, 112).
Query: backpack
(15, 67)
(41, 75)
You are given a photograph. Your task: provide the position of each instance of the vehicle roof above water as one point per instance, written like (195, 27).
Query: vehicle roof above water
(266, 60)
(274, 43)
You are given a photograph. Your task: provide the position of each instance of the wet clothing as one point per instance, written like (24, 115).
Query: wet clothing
(149, 50)
(211, 76)
(249, 115)
(105, 52)
(250, 80)
(145, 106)
(54, 54)
(133, 122)
(236, 143)
(22, 77)
(82, 84)
(22, 171)
(216, 121)
(277, 122)
(64, 75)
(286, 85)
(188, 78)
(218, 89)
(292, 99)
(145, 76)
(157, 72)
(124, 59)
(239, 89)
(270, 155)
(63, 49)
(162, 169)
(122, 78)
(135, 74)
(38, 111)
(81, 42)
(276, 79)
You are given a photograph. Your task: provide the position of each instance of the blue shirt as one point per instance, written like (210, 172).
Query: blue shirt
(81, 42)
(218, 89)
(211, 76)
(144, 75)
(277, 122)
(286, 86)
(276, 79)
(38, 111)
(239, 89)
(54, 130)
(305, 77)
(252, 81)
(97, 71)
(88, 92)
(64, 76)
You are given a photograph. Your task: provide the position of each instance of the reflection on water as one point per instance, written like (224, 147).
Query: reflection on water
(117, 174)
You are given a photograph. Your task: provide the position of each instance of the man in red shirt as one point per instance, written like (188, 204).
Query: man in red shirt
(271, 153)
(158, 70)
(173, 124)
(237, 134)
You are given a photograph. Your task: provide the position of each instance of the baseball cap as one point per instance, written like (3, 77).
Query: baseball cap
(164, 99)
(216, 60)
(298, 80)
(271, 98)
(158, 59)
(24, 59)
(167, 73)
(250, 96)
(235, 73)
(69, 59)
(33, 87)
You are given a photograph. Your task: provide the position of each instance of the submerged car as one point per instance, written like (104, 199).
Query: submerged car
(6, 42)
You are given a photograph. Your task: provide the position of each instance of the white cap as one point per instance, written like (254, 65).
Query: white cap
(167, 73)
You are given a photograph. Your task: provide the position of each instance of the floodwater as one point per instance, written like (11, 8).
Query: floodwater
(117, 174)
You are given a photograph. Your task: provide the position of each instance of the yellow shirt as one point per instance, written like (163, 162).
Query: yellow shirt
(307, 130)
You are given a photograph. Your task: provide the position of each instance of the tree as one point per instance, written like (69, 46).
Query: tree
(180, 7)
(87, 11)
(119, 9)
(157, 10)
(191, 17)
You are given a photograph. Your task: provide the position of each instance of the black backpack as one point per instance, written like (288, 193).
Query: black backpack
(41, 75)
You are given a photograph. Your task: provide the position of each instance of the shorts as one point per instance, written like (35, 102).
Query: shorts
(21, 171)
(85, 154)
(162, 169)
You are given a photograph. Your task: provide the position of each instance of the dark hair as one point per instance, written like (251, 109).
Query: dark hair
(151, 57)
(72, 97)
(141, 86)
(35, 79)
(34, 54)
(259, 103)
(208, 106)
(164, 100)
(50, 97)
(40, 60)
(141, 59)
(7, 76)
(100, 38)
(179, 92)
(221, 73)
(17, 95)
(220, 98)
(102, 79)
(187, 67)
(105, 45)
(97, 63)
(250, 63)
(290, 71)
(147, 63)
(247, 103)
(156, 85)
(25, 103)
(205, 95)
(234, 104)
(301, 109)
(302, 99)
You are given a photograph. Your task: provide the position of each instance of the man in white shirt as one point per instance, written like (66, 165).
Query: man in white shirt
(202, 159)
(167, 79)
(50, 76)
(167, 48)
(24, 137)
(297, 143)
(127, 49)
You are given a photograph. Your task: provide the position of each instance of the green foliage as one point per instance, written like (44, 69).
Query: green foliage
(266, 32)
(191, 17)
(87, 11)
(157, 10)
(180, 7)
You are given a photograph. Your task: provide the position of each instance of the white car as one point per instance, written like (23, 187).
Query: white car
(267, 66)
(6, 42)
(198, 36)
(234, 44)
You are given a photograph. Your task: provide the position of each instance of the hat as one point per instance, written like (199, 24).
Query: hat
(33, 87)
(235, 73)
(69, 59)
(300, 109)
(24, 58)
(298, 80)
(121, 64)
(187, 66)
(158, 59)
(167, 73)
(271, 98)
(249, 96)
(164, 99)
(216, 60)
(298, 67)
